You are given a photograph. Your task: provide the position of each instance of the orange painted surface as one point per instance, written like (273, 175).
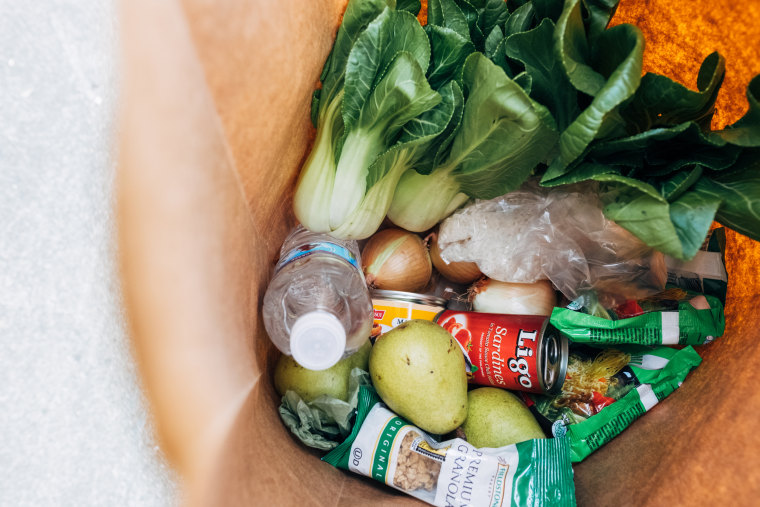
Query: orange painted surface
(682, 34)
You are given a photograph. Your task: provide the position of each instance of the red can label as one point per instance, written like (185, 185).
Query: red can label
(503, 349)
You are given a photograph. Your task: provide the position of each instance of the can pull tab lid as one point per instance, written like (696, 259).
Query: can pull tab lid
(317, 340)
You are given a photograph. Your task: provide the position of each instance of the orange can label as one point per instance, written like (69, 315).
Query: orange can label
(390, 313)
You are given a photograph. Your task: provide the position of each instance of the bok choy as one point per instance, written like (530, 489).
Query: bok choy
(414, 121)
(502, 137)
(373, 84)
(664, 175)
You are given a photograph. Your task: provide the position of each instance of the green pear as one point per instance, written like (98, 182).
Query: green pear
(310, 384)
(497, 418)
(419, 371)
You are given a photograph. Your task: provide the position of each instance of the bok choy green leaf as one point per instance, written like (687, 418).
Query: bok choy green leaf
(503, 136)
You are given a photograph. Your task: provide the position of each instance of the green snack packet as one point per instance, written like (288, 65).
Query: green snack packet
(387, 448)
(605, 390)
(323, 422)
(684, 325)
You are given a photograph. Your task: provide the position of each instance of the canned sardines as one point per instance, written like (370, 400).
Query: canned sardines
(518, 352)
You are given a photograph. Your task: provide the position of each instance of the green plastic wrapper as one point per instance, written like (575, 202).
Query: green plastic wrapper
(606, 390)
(324, 422)
(387, 448)
(684, 325)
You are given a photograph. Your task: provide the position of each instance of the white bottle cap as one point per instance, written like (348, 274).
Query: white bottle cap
(317, 340)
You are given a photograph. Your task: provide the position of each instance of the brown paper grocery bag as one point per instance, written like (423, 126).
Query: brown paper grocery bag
(215, 124)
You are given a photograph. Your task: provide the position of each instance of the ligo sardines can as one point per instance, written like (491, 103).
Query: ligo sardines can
(393, 307)
(519, 352)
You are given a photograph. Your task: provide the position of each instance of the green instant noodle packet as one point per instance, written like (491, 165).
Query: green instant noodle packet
(607, 389)
(387, 448)
(685, 325)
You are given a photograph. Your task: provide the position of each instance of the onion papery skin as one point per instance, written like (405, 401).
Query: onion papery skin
(491, 296)
(457, 272)
(395, 259)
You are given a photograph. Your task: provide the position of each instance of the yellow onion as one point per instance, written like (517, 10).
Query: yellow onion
(492, 296)
(457, 272)
(395, 259)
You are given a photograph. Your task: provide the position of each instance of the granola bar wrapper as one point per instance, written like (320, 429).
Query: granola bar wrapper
(387, 448)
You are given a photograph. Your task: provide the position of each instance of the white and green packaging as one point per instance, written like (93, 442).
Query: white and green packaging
(387, 448)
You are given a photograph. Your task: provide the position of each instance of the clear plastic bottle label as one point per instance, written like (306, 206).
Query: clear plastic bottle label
(310, 248)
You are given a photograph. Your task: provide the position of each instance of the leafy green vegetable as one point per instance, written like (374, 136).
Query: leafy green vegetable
(611, 77)
(375, 49)
(660, 101)
(447, 14)
(423, 137)
(471, 10)
(664, 174)
(598, 15)
(356, 18)
(738, 187)
(548, 9)
(414, 121)
(482, 17)
(676, 228)
(387, 110)
(373, 84)
(739, 195)
(663, 150)
(746, 131)
(418, 143)
(550, 85)
(411, 6)
(575, 51)
(493, 15)
(449, 51)
(672, 188)
(670, 182)
(503, 136)
(520, 20)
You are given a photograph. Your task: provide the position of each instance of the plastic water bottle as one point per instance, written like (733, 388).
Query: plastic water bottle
(317, 307)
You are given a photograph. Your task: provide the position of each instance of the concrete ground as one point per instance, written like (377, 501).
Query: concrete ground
(74, 424)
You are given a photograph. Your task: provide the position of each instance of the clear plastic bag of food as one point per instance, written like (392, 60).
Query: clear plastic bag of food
(559, 234)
